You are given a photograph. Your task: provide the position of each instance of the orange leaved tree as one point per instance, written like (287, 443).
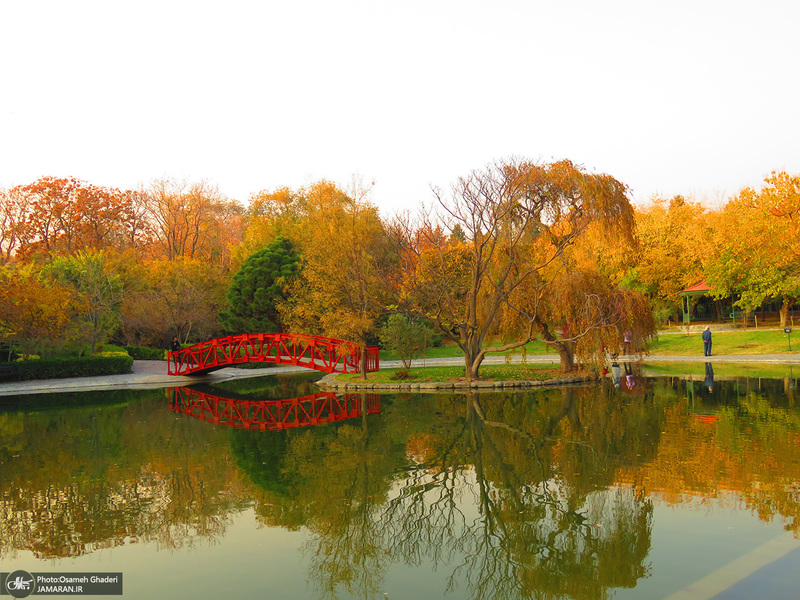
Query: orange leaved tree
(517, 218)
(756, 254)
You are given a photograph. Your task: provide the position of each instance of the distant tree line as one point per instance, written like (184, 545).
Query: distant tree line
(516, 251)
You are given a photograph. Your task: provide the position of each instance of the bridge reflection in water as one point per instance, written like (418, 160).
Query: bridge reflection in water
(314, 409)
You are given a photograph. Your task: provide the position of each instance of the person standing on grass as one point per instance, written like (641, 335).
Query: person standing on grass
(707, 341)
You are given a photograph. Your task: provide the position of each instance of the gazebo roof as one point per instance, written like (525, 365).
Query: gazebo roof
(696, 289)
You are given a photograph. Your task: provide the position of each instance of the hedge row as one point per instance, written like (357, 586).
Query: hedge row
(142, 353)
(85, 366)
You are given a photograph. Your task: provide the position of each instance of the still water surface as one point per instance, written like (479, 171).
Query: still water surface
(587, 492)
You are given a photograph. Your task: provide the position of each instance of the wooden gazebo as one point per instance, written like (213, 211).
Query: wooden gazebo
(699, 289)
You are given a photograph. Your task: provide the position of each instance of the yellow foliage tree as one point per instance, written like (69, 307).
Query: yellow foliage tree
(756, 254)
(517, 219)
(34, 313)
(341, 289)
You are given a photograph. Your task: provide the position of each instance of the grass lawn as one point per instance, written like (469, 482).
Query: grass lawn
(454, 373)
(737, 342)
(448, 350)
(748, 341)
(544, 372)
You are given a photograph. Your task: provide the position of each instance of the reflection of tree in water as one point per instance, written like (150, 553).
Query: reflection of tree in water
(486, 493)
(533, 533)
(333, 480)
(72, 482)
(746, 454)
(518, 494)
(123, 471)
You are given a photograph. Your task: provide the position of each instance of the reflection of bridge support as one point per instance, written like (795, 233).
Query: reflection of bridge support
(310, 351)
(315, 409)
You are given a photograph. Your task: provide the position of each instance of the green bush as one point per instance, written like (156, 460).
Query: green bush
(84, 366)
(142, 353)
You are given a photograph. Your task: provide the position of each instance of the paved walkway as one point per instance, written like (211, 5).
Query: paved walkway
(153, 373)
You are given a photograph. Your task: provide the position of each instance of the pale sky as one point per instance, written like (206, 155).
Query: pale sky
(693, 97)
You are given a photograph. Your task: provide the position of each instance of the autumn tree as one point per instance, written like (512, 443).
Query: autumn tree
(67, 215)
(780, 198)
(591, 305)
(173, 298)
(582, 315)
(190, 220)
(672, 236)
(518, 218)
(258, 287)
(140, 230)
(34, 313)
(756, 249)
(341, 288)
(92, 275)
(13, 213)
(51, 216)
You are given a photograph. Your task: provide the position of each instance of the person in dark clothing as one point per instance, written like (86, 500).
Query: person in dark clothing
(175, 345)
(707, 341)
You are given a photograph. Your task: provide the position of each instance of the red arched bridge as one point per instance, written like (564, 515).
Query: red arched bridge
(315, 409)
(310, 351)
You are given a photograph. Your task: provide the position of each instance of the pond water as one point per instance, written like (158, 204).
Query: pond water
(669, 489)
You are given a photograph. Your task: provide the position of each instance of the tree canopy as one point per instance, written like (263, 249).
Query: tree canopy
(517, 218)
(516, 250)
(342, 286)
(259, 286)
(757, 252)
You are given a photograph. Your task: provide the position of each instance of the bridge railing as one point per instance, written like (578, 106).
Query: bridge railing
(373, 359)
(314, 352)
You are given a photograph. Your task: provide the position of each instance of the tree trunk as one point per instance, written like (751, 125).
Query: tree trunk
(474, 354)
(363, 361)
(471, 366)
(784, 310)
(565, 348)
(567, 354)
(567, 406)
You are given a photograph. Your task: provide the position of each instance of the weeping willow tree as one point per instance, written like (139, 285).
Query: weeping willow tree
(515, 219)
(584, 318)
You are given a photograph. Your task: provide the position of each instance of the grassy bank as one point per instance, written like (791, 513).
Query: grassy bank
(735, 342)
(545, 372)
(454, 373)
(449, 350)
(748, 341)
